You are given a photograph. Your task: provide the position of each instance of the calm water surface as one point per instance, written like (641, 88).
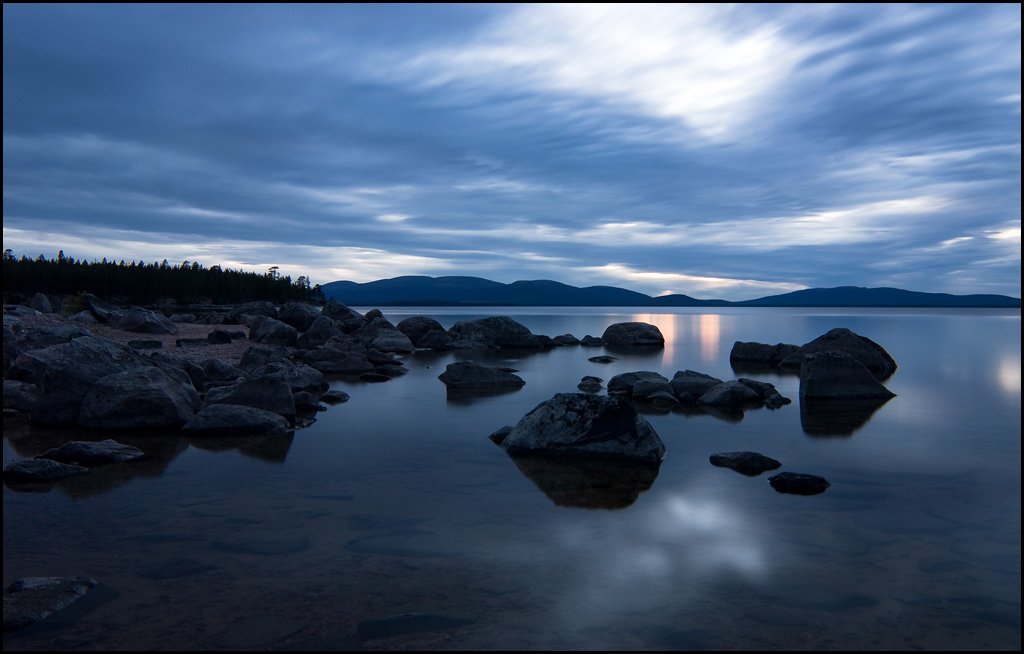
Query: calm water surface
(397, 503)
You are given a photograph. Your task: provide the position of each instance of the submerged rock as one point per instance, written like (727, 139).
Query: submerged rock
(41, 470)
(747, 463)
(798, 484)
(582, 425)
(31, 599)
(88, 453)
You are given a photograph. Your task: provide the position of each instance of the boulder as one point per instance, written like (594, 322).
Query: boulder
(145, 398)
(416, 327)
(306, 402)
(338, 311)
(583, 425)
(41, 303)
(90, 453)
(298, 376)
(871, 354)
(40, 471)
(31, 599)
(566, 339)
(218, 370)
(299, 315)
(172, 366)
(633, 334)
(83, 318)
(769, 394)
(65, 373)
(270, 394)
(471, 376)
(144, 321)
(689, 385)
(270, 331)
(837, 375)
(334, 397)
(591, 341)
(603, 358)
(321, 330)
(730, 395)
(492, 332)
(798, 483)
(47, 335)
(258, 308)
(645, 388)
(624, 382)
(662, 399)
(374, 314)
(435, 340)
(499, 435)
(260, 355)
(218, 337)
(760, 353)
(338, 357)
(104, 311)
(217, 420)
(590, 384)
(391, 340)
(747, 463)
(20, 396)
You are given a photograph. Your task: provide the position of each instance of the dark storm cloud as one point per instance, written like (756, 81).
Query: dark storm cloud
(717, 151)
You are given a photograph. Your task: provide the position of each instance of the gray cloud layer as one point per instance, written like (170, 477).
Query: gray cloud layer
(724, 151)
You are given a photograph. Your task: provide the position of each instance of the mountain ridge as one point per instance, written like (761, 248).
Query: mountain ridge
(421, 290)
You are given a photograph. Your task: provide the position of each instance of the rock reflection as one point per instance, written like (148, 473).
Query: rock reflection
(836, 417)
(270, 448)
(588, 483)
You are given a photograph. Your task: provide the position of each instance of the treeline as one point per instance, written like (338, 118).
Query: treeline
(140, 283)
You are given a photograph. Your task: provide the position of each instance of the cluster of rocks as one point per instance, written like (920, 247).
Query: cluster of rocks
(691, 389)
(71, 459)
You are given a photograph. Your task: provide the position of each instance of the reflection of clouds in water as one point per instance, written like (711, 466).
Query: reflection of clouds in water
(1008, 375)
(659, 554)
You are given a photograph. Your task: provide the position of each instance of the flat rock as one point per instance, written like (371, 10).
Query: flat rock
(88, 453)
(747, 463)
(603, 358)
(471, 376)
(582, 425)
(32, 599)
(40, 470)
(798, 483)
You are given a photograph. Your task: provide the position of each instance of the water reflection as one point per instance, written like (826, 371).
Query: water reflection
(272, 449)
(709, 335)
(836, 417)
(1008, 374)
(668, 325)
(588, 484)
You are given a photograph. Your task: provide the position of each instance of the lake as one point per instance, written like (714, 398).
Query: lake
(394, 523)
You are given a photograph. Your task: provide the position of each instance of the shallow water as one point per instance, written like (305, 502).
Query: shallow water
(394, 523)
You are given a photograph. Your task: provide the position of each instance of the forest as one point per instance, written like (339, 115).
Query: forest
(138, 282)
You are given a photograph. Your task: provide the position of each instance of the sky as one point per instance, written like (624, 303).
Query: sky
(720, 151)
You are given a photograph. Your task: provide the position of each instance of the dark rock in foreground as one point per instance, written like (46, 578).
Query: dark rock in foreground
(837, 375)
(582, 425)
(416, 327)
(492, 332)
(730, 395)
(761, 353)
(144, 398)
(235, 420)
(633, 334)
(40, 470)
(29, 600)
(471, 376)
(271, 331)
(270, 394)
(688, 385)
(798, 484)
(747, 463)
(88, 453)
(499, 435)
(872, 355)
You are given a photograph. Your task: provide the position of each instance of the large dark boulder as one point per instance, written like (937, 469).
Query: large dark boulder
(730, 395)
(342, 313)
(689, 385)
(471, 376)
(760, 353)
(435, 339)
(623, 383)
(646, 390)
(381, 335)
(633, 334)
(19, 395)
(298, 315)
(47, 335)
(492, 332)
(218, 420)
(260, 355)
(338, 356)
(298, 376)
(416, 327)
(833, 375)
(270, 331)
(41, 303)
(747, 463)
(219, 371)
(103, 310)
(144, 321)
(31, 599)
(771, 396)
(863, 349)
(65, 373)
(144, 398)
(587, 426)
(321, 330)
(270, 394)
(90, 453)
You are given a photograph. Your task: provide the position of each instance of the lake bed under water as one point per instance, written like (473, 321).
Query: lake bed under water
(394, 523)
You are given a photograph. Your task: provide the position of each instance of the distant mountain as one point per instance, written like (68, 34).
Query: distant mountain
(476, 291)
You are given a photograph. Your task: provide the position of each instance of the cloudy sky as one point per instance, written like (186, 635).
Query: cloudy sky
(718, 151)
